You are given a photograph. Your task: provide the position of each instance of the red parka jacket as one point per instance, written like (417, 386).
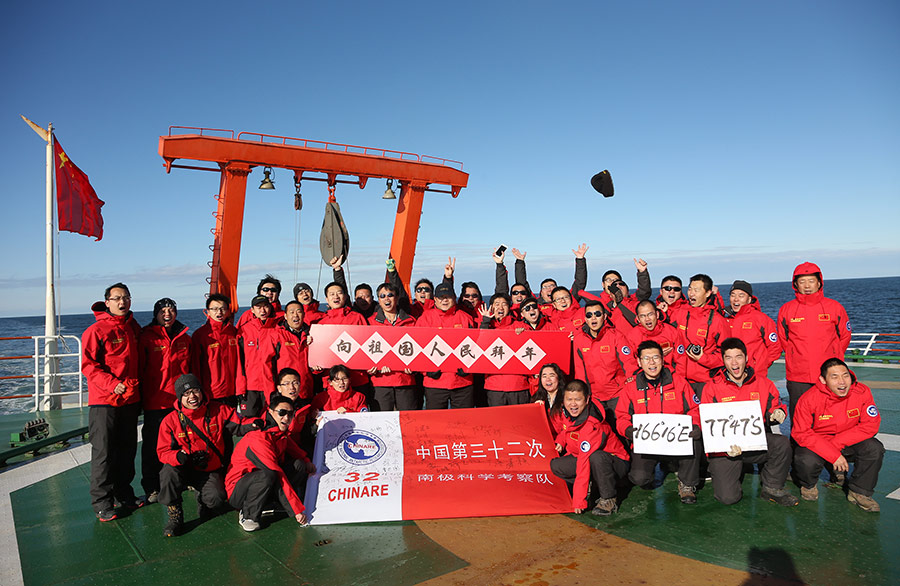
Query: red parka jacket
(599, 361)
(758, 332)
(705, 327)
(216, 359)
(669, 393)
(258, 355)
(581, 437)
(290, 350)
(721, 389)
(266, 449)
(331, 400)
(826, 423)
(570, 319)
(213, 418)
(162, 361)
(110, 356)
(663, 334)
(811, 329)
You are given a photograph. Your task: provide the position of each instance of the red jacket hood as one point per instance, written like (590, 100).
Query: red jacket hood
(100, 313)
(807, 268)
(854, 389)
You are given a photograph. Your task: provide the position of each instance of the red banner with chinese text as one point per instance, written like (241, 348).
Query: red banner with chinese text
(436, 349)
(479, 463)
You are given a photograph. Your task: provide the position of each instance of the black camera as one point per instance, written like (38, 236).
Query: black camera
(695, 349)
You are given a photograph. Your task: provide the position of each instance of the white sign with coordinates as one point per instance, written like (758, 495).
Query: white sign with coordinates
(662, 434)
(737, 423)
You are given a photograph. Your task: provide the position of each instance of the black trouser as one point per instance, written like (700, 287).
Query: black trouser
(774, 466)
(867, 457)
(606, 469)
(150, 464)
(461, 398)
(113, 435)
(395, 399)
(500, 398)
(609, 413)
(210, 486)
(643, 465)
(257, 488)
(368, 391)
(795, 391)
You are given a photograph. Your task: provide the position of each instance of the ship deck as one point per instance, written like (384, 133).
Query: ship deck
(53, 537)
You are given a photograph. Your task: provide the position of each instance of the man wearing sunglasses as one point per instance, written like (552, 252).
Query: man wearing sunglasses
(671, 301)
(393, 390)
(600, 351)
(268, 465)
(619, 303)
(270, 288)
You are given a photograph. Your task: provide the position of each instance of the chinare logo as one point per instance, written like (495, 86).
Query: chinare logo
(360, 448)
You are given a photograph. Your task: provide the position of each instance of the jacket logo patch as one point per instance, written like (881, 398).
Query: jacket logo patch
(641, 401)
(696, 399)
(796, 320)
(872, 411)
(604, 349)
(232, 342)
(665, 345)
(214, 345)
(670, 396)
(825, 417)
(457, 325)
(824, 317)
(754, 396)
(585, 446)
(577, 322)
(853, 413)
(747, 326)
(701, 333)
(117, 340)
(290, 343)
(680, 349)
(626, 350)
(848, 327)
(773, 337)
(159, 348)
(727, 399)
(681, 327)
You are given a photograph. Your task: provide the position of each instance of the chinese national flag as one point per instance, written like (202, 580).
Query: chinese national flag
(77, 202)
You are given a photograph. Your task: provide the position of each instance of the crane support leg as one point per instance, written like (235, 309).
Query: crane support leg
(229, 223)
(406, 229)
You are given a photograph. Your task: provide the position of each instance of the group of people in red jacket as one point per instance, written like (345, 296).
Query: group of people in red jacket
(252, 379)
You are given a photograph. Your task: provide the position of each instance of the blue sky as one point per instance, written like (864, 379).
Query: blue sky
(743, 137)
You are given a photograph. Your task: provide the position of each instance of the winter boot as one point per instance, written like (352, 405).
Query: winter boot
(176, 520)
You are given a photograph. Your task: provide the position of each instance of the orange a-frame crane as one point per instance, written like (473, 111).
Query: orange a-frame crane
(237, 156)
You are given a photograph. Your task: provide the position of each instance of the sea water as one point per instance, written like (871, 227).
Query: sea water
(873, 305)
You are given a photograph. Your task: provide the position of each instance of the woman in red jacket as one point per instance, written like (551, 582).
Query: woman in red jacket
(550, 382)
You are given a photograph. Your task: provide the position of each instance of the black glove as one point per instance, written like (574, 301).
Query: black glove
(435, 374)
(182, 458)
(695, 433)
(200, 459)
(461, 372)
(629, 433)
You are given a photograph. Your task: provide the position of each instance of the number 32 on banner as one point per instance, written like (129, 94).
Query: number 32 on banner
(367, 477)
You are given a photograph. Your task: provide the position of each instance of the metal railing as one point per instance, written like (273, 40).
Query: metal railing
(40, 377)
(868, 346)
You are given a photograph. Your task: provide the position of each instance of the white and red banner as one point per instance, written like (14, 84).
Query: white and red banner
(433, 349)
(391, 466)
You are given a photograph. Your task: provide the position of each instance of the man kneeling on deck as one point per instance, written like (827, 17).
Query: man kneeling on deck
(736, 381)
(656, 389)
(190, 445)
(836, 422)
(267, 462)
(592, 451)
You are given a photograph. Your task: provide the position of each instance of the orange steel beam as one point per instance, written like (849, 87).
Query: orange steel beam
(229, 224)
(406, 230)
(236, 158)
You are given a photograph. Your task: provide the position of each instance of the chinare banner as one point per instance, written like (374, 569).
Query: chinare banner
(433, 349)
(405, 465)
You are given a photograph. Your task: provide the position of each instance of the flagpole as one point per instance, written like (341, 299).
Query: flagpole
(51, 363)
